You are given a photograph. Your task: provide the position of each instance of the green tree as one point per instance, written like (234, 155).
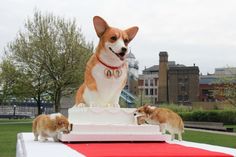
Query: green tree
(142, 99)
(226, 87)
(8, 80)
(21, 84)
(55, 50)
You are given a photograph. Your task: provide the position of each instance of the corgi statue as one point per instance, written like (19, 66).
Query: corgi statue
(106, 71)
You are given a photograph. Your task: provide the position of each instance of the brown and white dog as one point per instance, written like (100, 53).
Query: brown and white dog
(106, 70)
(166, 118)
(49, 126)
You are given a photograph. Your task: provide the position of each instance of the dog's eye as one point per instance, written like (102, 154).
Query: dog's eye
(114, 38)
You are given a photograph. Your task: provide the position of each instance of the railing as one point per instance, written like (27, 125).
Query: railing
(21, 111)
(127, 97)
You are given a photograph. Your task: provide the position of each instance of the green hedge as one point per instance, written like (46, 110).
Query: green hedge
(227, 117)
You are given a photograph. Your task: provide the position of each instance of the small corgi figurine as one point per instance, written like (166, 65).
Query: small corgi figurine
(166, 118)
(49, 126)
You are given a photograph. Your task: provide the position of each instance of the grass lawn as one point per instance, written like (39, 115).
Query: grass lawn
(14, 120)
(231, 126)
(8, 133)
(210, 138)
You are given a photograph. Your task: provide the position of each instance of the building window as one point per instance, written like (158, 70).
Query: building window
(180, 98)
(146, 91)
(186, 98)
(146, 82)
(155, 81)
(180, 80)
(151, 83)
(155, 91)
(140, 82)
(183, 88)
(151, 91)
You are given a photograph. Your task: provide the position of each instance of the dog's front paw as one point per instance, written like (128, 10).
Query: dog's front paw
(43, 139)
(55, 139)
(80, 105)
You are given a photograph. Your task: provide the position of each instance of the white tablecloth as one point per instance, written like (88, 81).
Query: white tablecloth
(27, 147)
(209, 147)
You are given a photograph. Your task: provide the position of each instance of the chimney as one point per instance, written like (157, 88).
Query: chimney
(163, 69)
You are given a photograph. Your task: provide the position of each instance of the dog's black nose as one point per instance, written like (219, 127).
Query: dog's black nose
(123, 49)
(135, 114)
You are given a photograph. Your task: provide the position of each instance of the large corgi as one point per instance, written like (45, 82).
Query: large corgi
(106, 71)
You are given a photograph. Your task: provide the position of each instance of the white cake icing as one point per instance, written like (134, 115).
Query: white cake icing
(109, 124)
(114, 129)
(98, 115)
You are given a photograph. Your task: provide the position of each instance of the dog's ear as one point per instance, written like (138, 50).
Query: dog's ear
(131, 32)
(100, 25)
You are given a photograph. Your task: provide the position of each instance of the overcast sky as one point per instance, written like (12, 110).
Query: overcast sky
(191, 31)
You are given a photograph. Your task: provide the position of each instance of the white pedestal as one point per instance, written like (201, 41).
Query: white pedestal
(109, 124)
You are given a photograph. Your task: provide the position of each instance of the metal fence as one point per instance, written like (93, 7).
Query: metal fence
(25, 111)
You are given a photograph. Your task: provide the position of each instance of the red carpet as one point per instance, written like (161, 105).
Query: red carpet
(141, 150)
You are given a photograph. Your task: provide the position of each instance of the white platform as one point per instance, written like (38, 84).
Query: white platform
(27, 147)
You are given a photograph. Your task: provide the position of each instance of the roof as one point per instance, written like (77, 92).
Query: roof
(130, 55)
(155, 68)
(214, 79)
(207, 80)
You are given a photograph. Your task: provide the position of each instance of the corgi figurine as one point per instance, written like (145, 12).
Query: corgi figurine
(106, 71)
(49, 126)
(166, 118)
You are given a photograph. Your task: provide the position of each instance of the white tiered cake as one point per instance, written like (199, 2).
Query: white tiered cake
(109, 124)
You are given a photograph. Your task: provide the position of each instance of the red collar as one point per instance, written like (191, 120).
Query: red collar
(109, 66)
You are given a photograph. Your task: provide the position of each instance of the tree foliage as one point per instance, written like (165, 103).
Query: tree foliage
(226, 88)
(52, 53)
(142, 99)
(9, 78)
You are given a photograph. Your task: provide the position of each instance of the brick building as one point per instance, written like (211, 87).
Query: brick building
(170, 82)
(148, 83)
(212, 87)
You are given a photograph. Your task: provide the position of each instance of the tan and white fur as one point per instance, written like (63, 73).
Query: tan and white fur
(110, 55)
(165, 118)
(45, 126)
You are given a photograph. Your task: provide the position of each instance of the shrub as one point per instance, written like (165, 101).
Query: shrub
(224, 116)
(177, 108)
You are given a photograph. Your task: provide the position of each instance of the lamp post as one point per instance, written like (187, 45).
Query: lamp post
(41, 108)
(14, 111)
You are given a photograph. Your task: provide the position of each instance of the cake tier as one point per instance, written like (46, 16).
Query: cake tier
(116, 128)
(105, 133)
(108, 124)
(96, 115)
(95, 137)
